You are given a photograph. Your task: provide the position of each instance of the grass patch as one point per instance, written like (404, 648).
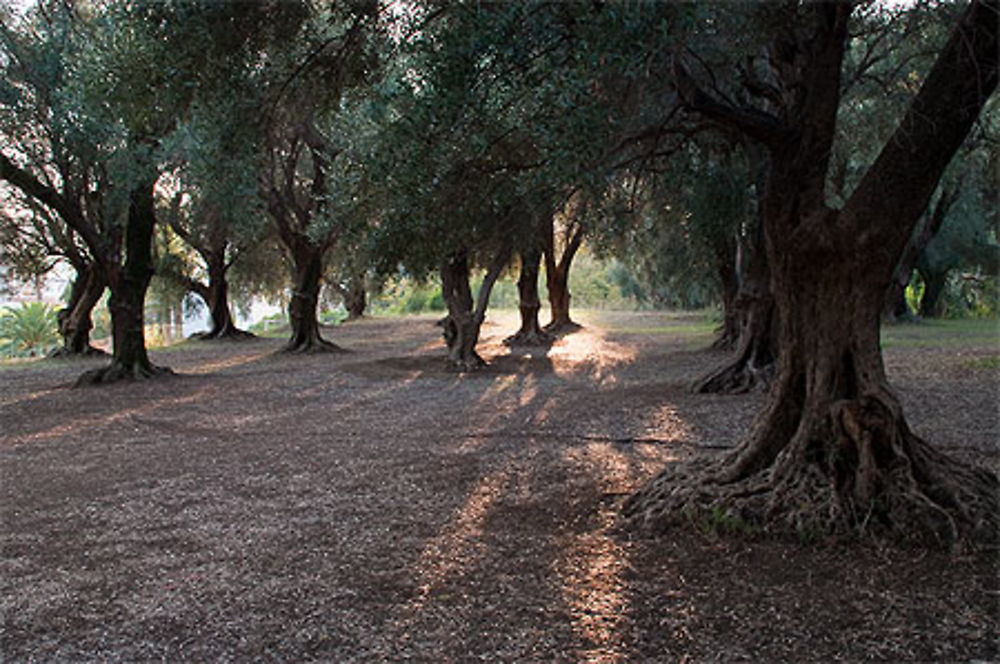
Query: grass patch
(988, 363)
(943, 333)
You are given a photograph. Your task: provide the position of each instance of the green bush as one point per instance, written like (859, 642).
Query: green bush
(29, 330)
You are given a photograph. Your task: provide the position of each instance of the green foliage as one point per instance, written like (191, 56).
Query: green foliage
(29, 330)
(972, 294)
(333, 317)
(405, 295)
(988, 363)
(272, 325)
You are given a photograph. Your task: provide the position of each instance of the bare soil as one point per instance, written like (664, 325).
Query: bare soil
(375, 506)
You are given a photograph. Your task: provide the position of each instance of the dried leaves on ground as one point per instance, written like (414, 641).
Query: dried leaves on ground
(375, 506)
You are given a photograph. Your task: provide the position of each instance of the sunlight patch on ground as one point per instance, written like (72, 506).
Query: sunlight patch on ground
(457, 544)
(593, 565)
(589, 347)
(228, 363)
(666, 424)
(83, 424)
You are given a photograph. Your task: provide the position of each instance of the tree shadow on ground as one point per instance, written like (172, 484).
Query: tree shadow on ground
(381, 507)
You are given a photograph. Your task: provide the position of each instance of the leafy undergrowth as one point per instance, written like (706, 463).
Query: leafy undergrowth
(375, 506)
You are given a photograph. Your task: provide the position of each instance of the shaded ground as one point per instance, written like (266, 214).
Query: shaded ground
(375, 507)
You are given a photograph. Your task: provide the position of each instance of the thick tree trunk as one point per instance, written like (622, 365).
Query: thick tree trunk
(302, 309)
(831, 451)
(729, 280)
(896, 308)
(753, 364)
(461, 333)
(216, 296)
(128, 284)
(557, 282)
(930, 301)
(75, 320)
(557, 277)
(464, 322)
(355, 298)
(531, 333)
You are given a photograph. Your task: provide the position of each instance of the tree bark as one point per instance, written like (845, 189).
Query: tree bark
(930, 300)
(531, 332)
(128, 283)
(216, 296)
(302, 308)
(355, 298)
(463, 323)
(729, 281)
(75, 320)
(460, 331)
(832, 452)
(753, 363)
(557, 277)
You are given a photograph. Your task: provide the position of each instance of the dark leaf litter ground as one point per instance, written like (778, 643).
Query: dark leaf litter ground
(374, 506)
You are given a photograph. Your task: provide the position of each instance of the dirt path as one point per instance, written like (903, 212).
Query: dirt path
(375, 507)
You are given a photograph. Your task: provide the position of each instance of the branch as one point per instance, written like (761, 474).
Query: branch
(46, 195)
(500, 259)
(892, 195)
(753, 122)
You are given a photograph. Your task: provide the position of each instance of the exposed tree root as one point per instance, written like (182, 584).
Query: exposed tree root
(530, 338)
(227, 334)
(117, 372)
(861, 472)
(315, 345)
(726, 339)
(736, 378)
(562, 328)
(467, 364)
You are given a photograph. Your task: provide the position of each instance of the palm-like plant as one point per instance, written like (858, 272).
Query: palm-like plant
(29, 330)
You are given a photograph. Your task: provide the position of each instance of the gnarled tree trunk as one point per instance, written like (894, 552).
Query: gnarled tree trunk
(557, 276)
(302, 308)
(729, 281)
(128, 283)
(531, 333)
(753, 363)
(75, 320)
(463, 322)
(216, 296)
(355, 298)
(930, 301)
(832, 451)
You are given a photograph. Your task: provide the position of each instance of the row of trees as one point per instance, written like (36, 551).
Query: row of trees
(795, 152)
